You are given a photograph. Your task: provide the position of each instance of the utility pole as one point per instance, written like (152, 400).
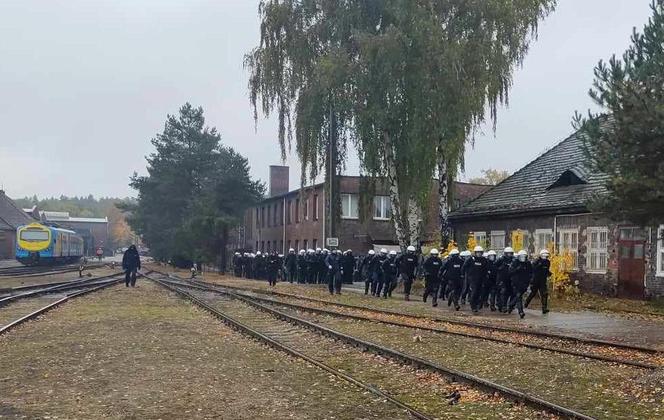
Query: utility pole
(331, 173)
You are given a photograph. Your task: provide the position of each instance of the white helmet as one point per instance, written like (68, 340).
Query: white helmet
(258, 253)
(492, 252)
(237, 253)
(393, 252)
(348, 251)
(291, 250)
(522, 255)
(433, 251)
(318, 250)
(411, 249)
(310, 251)
(544, 253)
(325, 250)
(302, 252)
(478, 249)
(508, 250)
(372, 252)
(383, 251)
(465, 253)
(454, 251)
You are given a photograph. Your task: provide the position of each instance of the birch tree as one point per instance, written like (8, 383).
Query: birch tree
(405, 81)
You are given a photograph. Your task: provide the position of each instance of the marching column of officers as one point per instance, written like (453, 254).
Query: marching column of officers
(483, 279)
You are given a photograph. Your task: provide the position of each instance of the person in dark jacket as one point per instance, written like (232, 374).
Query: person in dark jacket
(333, 269)
(131, 263)
(503, 283)
(379, 277)
(407, 265)
(541, 272)
(390, 272)
(465, 288)
(302, 266)
(489, 291)
(273, 264)
(521, 272)
(237, 264)
(290, 265)
(432, 268)
(348, 267)
(475, 270)
(365, 271)
(451, 273)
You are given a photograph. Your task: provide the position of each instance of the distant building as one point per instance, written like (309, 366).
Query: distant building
(546, 201)
(296, 219)
(11, 217)
(94, 230)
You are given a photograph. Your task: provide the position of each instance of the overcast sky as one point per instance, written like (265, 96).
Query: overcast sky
(85, 85)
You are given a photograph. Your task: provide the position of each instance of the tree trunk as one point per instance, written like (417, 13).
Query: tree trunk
(400, 223)
(443, 189)
(224, 257)
(414, 221)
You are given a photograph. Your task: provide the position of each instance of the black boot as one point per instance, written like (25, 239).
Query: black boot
(545, 308)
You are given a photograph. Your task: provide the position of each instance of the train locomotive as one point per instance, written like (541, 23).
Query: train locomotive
(37, 244)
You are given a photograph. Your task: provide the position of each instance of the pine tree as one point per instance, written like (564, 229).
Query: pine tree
(626, 140)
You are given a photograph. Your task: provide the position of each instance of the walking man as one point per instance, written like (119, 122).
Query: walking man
(131, 263)
(407, 264)
(541, 271)
(432, 280)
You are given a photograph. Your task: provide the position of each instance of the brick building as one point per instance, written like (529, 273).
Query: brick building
(547, 201)
(11, 217)
(297, 219)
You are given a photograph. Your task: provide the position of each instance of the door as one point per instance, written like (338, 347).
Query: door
(631, 246)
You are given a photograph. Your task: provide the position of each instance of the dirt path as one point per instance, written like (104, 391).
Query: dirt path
(142, 353)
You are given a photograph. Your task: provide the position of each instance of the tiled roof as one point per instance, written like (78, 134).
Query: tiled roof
(10, 214)
(528, 189)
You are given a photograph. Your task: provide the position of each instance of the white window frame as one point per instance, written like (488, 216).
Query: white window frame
(305, 209)
(497, 233)
(480, 238)
(385, 204)
(347, 213)
(660, 252)
(560, 245)
(315, 205)
(540, 246)
(596, 249)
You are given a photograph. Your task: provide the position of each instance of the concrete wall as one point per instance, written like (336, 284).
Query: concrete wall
(7, 244)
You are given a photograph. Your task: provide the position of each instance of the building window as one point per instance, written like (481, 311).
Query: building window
(520, 240)
(256, 246)
(258, 218)
(297, 210)
(480, 238)
(543, 239)
(315, 243)
(350, 206)
(567, 240)
(262, 216)
(274, 246)
(598, 249)
(315, 206)
(306, 244)
(497, 240)
(660, 251)
(281, 213)
(262, 246)
(306, 209)
(297, 244)
(288, 212)
(289, 244)
(382, 208)
(269, 215)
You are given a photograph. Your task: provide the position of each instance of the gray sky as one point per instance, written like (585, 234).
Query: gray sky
(85, 85)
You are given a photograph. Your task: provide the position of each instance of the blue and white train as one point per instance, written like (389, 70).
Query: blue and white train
(37, 244)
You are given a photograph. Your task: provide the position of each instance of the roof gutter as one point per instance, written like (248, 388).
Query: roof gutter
(550, 211)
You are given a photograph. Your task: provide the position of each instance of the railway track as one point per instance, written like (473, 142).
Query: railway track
(38, 302)
(493, 329)
(246, 309)
(31, 271)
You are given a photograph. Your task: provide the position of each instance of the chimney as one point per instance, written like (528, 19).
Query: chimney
(278, 180)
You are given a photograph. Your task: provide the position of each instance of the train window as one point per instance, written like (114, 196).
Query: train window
(34, 235)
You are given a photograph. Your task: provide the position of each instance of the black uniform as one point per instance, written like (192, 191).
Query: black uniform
(541, 271)
(521, 272)
(333, 268)
(312, 267)
(452, 273)
(302, 268)
(273, 265)
(407, 264)
(503, 282)
(375, 272)
(259, 267)
(365, 272)
(432, 268)
(348, 266)
(237, 265)
(489, 290)
(475, 270)
(131, 262)
(390, 271)
(291, 267)
(321, 274)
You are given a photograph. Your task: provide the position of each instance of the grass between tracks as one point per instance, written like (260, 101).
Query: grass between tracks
(143, 353)
(7, 282)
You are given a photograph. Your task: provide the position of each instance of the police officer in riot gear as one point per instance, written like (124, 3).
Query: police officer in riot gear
(452, 273)
(333, 270)
(432, 268)
(475, 270)
(503, 282)
(380, 276)
(365, 271)
(489, 289)
(521, 272)
(390, 272)
(407, 265)
(273, 264)
(465, 289)
(348, 266)
(541, 271)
